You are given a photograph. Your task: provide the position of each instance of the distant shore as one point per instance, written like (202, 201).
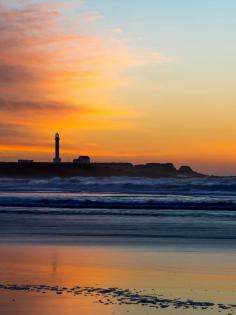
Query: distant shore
(67, 169)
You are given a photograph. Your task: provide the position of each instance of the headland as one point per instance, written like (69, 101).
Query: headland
(72, 169)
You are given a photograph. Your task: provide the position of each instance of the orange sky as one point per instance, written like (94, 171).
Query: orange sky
(109, 92)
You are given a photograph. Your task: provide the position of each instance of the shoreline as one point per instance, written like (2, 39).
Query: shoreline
(192, 245)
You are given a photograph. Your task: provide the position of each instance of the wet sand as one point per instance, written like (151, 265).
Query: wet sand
(86, 279)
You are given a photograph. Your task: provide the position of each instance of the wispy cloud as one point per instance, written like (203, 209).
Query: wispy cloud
(54, 74)
(16, 106)
(160, 59)
(92, 16)
(118, 30)
(11, 74)
(38, 49)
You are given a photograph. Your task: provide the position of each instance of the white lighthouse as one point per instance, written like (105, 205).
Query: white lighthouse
(57, 158)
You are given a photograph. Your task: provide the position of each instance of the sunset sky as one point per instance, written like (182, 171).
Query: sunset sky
(127, 80)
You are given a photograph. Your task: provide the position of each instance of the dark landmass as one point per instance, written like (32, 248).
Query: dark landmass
(66, 170)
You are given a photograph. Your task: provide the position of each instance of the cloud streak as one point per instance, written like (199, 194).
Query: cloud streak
(10, 74)
(43, 54)
(9, 106)
(55, 75)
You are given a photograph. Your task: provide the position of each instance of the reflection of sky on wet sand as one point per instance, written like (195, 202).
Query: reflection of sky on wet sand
(205, 276)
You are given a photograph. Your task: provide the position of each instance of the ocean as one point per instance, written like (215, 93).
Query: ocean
(119, 209)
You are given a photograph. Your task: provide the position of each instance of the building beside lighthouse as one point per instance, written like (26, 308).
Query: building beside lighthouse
(82, 160)
(57, 158)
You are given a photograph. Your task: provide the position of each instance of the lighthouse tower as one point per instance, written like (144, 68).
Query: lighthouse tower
(57, 149)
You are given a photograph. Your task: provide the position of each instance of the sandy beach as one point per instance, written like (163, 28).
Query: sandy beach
(53, 279)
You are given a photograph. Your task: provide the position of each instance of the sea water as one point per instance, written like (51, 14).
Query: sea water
(120, 209)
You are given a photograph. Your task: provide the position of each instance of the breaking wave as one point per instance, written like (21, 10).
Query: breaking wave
(189, 186)
(201, 208)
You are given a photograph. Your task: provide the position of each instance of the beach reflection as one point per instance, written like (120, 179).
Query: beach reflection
(207, 276)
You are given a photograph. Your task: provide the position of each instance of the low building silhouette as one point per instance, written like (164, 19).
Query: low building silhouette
(25, 161)
(82, 160)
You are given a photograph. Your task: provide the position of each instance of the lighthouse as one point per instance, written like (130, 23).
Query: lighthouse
(57, 149)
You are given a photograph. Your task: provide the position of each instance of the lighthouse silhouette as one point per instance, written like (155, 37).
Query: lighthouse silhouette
(57, 158)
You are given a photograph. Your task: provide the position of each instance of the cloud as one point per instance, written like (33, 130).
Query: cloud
(55, 74)
(93, 16)
(10, 130)
(45, 54)
(10, 74)
(9, 105)
(12, 134)
(160, 59)
(118, 30)
(30, 114)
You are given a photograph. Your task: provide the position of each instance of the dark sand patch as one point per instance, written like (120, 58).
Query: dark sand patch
(113, 295)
